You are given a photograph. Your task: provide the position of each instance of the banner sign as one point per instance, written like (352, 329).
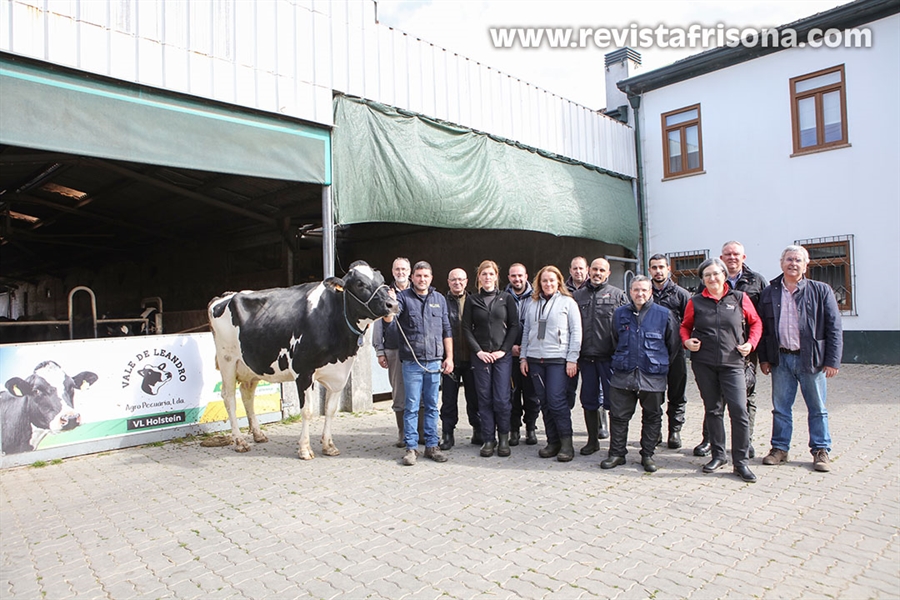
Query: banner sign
(58, 393)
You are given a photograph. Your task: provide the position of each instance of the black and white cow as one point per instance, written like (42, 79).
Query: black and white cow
(305, 333)
(41, 404)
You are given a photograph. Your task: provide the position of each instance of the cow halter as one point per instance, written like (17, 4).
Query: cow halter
(352, 327)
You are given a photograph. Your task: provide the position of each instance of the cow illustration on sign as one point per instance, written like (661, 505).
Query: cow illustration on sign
(154, 377)
(41, 404)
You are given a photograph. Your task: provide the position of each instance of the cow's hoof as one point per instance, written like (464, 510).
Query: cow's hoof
(241, 446)
(330, 450)
(216, 441)
(306, 454)
(260, 438)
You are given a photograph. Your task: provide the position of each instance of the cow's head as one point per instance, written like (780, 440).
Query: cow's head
(51, 396)
(154, 378)
(367, 296)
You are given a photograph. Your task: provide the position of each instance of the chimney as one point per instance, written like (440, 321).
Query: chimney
(620, 64)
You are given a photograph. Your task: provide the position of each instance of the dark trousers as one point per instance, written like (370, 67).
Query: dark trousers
(721, 386)
(462, 374)
(623, 404)
(595, 375)
(750, 380)
(550, 381)
(675, 392)
(571, 389)
(492, 382)
(524, 402)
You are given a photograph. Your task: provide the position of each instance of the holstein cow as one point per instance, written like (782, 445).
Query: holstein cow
(41, 404)
(305, 333)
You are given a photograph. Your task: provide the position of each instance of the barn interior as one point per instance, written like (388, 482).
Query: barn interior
(137, 233)
(132, 232)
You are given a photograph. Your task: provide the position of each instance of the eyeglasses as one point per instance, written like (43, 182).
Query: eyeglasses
(712, 275)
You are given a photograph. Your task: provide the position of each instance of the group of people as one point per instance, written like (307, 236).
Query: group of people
(518, 352)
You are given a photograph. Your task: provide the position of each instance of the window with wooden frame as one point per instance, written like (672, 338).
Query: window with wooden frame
(683, 268)
(819, 111)
(682, 142)
(831, 262)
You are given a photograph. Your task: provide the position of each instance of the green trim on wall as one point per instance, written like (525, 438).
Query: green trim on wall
(872, 347)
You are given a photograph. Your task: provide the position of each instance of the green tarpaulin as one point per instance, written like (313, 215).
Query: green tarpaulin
(403, 168)
(54, 109)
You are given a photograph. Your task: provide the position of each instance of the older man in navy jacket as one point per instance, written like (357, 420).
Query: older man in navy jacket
(801, 345)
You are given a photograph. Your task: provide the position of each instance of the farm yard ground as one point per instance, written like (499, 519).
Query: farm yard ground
(178, 520)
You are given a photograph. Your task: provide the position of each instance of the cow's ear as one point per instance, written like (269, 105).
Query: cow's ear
(334, 283)
(85, 377)
(18, 387)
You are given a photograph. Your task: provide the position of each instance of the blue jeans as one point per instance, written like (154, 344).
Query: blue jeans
(786, 376)
(550, 385)
(418, 383)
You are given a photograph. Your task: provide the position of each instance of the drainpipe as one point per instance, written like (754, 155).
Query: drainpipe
(635, 102)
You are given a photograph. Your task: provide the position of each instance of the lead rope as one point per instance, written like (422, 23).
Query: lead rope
(413, 352)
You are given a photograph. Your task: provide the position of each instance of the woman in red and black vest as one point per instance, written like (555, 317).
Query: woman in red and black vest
(713, 331)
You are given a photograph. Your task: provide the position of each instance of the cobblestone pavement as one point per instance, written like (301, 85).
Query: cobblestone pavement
(177, 520)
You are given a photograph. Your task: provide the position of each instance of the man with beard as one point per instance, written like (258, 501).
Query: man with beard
(597, 300)
(524, 401)
(386, 340)
(670, 295)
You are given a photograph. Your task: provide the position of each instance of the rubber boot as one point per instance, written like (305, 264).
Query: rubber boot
(503, 446)
(592, 422)
(550, 450)
(514, 436)
(401, 443)
(447, 440)
(566, 451)
(603, 433)
(531, 436)
(487, 450)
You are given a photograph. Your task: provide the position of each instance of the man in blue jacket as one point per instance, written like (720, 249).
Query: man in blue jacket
(426, 351)
(646, 339)
(801, 345)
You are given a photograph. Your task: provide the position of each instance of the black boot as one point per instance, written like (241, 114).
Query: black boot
(603, 433)
(503, 446)
(703, 448)
(514, 436)
(447, 440)
(401, 443)
(531, 436)
(476, 437)
(674, 441)
(487, 450)
(566, 451)
(592, 422)
(550, 450)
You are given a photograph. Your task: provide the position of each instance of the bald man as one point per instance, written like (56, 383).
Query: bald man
(597, 301)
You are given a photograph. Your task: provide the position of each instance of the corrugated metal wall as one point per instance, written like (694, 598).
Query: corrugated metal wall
(287, 57)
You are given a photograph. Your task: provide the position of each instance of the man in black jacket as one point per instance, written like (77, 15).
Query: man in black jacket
(525, 404)
(669, 294)
(597, 301)
(462, 368)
